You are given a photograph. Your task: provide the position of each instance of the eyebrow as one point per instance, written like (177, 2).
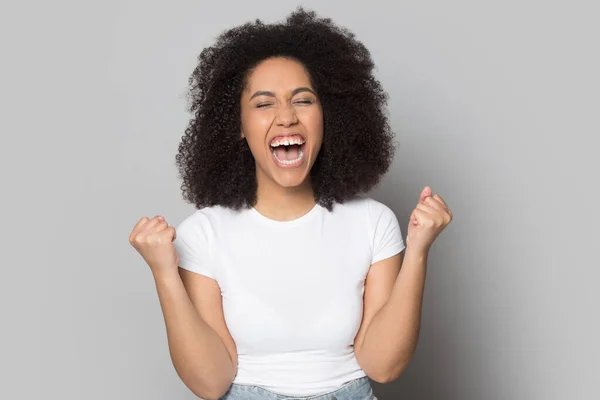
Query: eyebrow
(271, 94)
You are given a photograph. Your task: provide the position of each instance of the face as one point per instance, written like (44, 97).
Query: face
(282, 121)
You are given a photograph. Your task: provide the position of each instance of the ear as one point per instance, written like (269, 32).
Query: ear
(242, 136)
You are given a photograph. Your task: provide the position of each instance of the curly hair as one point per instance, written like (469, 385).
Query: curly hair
(216, 165)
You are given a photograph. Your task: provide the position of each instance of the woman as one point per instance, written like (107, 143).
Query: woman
(289, 282)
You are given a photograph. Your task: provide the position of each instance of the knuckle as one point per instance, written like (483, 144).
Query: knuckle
(142, 221)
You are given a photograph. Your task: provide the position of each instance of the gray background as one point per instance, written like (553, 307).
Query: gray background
(495, 105)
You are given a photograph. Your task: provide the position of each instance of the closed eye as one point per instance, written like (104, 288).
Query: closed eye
(303, 102)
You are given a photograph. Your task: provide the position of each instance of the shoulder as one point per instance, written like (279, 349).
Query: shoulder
(364, 206)
(205, 221)
(364, 213)
(198, 237)
(375, 216)
(210, 215)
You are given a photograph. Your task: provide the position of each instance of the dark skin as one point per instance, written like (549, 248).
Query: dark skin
(249, 87)
(288, 106)
(356, 149)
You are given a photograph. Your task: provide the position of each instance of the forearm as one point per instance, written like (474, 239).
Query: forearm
(392, 336)
(198, 353)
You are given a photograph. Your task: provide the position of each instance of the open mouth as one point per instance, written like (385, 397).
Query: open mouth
(288, 151)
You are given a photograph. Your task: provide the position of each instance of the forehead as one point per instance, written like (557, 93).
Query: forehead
(278, 74)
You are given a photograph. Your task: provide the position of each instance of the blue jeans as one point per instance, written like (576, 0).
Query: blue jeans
(357, 389)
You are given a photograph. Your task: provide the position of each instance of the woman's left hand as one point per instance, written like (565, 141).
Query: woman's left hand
(427, 221)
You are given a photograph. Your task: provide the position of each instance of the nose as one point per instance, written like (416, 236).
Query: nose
(286, 115)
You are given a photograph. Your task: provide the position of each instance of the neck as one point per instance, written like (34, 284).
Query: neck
(284, 203)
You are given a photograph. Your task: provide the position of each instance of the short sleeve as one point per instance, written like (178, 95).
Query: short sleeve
(192, 245)
(387, 236)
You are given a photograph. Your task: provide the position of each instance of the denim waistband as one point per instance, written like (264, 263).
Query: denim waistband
(357, 389)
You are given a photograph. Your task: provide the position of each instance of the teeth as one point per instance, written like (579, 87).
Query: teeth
(286, 142)
(289, 162)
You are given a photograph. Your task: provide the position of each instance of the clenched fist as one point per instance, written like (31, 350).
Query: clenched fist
(427, 221)
(153, 239)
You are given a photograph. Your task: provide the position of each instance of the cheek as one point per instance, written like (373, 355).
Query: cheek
(316, 125)
(311, 118)
(255, 131)
(256, 144)
(257, 124)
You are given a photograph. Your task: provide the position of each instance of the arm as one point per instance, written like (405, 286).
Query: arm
(393, 300)
(391, 322)
(201, 348)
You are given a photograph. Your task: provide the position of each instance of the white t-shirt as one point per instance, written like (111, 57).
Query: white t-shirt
(292, 291)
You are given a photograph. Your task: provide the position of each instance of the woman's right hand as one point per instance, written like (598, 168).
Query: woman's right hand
(153, 239)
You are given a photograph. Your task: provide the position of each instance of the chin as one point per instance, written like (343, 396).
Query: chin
(293, 180)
